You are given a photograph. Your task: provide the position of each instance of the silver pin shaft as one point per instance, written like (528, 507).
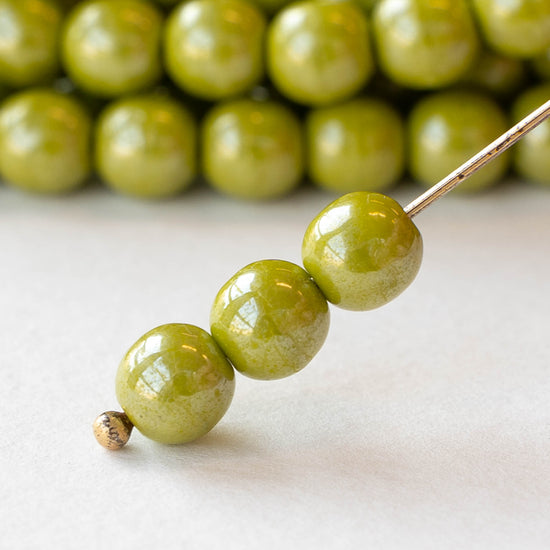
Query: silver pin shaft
(479, 160)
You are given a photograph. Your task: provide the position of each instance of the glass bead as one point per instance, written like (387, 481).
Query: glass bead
(355, 146)
(28, 41)
(44, 141)
(519, 28)
(174, 383)
(112, 47)
(270, 319)
(252, 149)
(362, 250)
(424, 44)
(446, 129)
(145, 146)
(319, 52)
(214, 48)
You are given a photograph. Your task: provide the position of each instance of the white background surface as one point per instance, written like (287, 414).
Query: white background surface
(424, 424)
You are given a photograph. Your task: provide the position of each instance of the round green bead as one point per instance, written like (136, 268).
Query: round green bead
(532, 153)
(112, 47)
(214, 48)
(318, 52)
(44, 141)
(175, 384)
(424, 44)
(520, 28)
(355, 146)
(448, 128)
(362, 251)
(28, 41)
(146, 146)
(270, 319)
(252, 150)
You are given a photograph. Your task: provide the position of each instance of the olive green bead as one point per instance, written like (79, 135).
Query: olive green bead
(318, 52)
(355, 146)
(214, 48)
(44, 141)
(175, 384)
(28, 41)
(446, 129)
(362, 251)
(145, 146)
(424, 44)
(270, 319)
(252, 149)
(532, 153)
(112, 47)
(520, 28)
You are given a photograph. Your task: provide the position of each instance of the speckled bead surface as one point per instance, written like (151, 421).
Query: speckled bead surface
(174, 383)
(362, 251)
(270, 319)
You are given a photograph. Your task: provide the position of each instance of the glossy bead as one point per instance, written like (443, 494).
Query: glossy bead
(28, 41)
(214, 48)
(174, 383)
(424, 44)
(111, 47)
(251, 149)
(532, 153)
(446, 129)
(318, 52)
(362, 251)
(146, 146)
(44, 141)
(270, 319)
(355, 146)
(520, 28)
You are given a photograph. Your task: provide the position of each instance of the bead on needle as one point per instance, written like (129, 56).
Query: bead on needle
(112, 429)
(479, 160)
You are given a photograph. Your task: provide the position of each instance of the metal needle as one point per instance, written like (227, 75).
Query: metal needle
(479, 160)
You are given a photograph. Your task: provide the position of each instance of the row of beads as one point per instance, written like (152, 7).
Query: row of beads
(316, 52)
(146, 145)
(269, 320)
